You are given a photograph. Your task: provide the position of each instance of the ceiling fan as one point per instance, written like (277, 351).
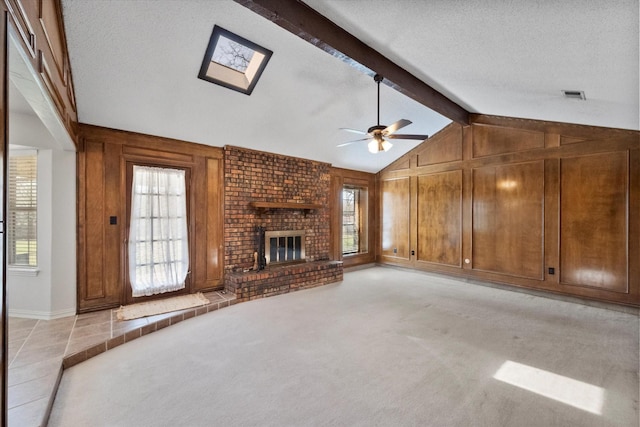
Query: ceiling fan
(379, 135)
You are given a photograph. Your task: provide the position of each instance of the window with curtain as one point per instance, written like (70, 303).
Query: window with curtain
(354, 220)
(22, 210)
(158, 239)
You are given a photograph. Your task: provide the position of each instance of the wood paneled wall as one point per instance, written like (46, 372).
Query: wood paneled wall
(339, 178)
(528, 203)
(102, 193)
(40, 29)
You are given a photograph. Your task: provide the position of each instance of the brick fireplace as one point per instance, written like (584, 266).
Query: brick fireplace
(288, 197)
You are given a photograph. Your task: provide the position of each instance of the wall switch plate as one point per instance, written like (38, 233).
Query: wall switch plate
(113, 220)
(395, 250)
(552, 270)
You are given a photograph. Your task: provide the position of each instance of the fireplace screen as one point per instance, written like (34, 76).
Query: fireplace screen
(284, 246)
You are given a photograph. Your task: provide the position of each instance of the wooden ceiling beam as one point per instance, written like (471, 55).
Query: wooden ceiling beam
(304, 22)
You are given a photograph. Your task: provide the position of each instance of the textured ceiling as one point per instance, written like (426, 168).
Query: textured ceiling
(135, 66)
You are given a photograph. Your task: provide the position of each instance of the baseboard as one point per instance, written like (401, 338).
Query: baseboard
(523, 290)
(42, 315)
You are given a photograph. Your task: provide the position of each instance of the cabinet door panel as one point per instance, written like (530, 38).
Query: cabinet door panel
(439, 218)
(395, 218)
(508, 212)
(100, 285)
(593, 221)
(490, 140)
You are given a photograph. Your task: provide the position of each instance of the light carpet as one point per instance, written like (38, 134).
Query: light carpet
(150, 308)
(385, 347)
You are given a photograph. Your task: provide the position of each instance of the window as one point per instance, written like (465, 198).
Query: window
(233, 62)
(158, 239)
(354, 220)
(22, 210)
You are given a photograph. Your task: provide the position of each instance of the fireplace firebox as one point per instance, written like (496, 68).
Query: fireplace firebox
(284, 247)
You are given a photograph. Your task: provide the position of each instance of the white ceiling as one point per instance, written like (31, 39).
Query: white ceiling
(135, 67)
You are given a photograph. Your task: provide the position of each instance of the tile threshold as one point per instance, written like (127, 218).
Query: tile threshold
(127, 335)
(36, 412)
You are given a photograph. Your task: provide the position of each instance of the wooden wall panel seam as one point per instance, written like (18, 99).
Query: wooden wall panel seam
(70, 88)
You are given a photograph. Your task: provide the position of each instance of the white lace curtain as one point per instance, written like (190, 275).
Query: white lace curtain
(158, 245)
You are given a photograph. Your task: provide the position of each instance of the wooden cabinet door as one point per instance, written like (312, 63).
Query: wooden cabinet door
(99, 226)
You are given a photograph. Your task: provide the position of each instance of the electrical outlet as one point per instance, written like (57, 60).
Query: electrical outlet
(395, 250)
(552, 270)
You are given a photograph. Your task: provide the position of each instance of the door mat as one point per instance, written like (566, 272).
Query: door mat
(150, 308)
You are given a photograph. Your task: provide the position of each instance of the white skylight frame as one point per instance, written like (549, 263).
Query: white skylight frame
(224, 68)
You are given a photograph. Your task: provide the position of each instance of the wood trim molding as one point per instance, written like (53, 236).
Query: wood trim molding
(291, 206)
(47, 35)
(23, 26)
(4, 142)
(144, 141)
(568, 130)
(304, 22)
(45, 73)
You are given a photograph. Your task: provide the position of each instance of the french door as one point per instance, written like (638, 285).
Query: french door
(157, 250)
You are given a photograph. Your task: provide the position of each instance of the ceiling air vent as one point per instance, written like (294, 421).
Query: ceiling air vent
(574, 94)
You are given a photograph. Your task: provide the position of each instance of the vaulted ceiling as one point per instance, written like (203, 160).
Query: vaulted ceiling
(135, 67)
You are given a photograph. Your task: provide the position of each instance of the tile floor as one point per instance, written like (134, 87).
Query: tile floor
(39, 349)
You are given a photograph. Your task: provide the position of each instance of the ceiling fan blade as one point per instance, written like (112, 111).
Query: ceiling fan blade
(351, 142)
(396, 126)
(407, 136)
(354, 131)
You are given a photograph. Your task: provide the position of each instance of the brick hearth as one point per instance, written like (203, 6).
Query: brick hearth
(282, 279)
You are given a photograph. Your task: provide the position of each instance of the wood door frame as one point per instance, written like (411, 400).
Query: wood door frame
(4, 317)
(127, 296)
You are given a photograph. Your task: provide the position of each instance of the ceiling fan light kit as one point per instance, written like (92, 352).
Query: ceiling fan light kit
(379, 144)
(379, 135)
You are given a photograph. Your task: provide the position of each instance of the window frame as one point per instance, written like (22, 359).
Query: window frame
(23, 269)
(361, 222)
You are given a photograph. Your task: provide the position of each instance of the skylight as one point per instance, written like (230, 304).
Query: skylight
(233, 62)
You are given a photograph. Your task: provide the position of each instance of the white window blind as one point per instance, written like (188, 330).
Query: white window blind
(22, 212)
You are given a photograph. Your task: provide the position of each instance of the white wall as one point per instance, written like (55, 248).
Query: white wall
(63, 244)
(52, 292)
